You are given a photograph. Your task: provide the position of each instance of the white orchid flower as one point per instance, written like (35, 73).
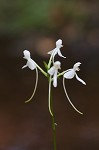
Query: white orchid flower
(56, 51)
(69, 74)
(53, 72)
(30, 62)
(32, 65)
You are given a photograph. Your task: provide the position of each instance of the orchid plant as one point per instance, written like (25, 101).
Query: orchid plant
(52, 74)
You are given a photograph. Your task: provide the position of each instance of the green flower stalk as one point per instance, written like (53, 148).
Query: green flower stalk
(52, 74)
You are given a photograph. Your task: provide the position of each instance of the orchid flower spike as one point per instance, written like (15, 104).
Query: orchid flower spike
(56, 51)
(53, 72)
(69, 74)
(32, 65)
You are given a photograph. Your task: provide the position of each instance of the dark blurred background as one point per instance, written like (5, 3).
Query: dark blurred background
(36, 25)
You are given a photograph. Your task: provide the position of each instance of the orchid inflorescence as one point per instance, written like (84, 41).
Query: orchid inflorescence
(52, 72)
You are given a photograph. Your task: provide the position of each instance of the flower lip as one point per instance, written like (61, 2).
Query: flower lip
(31, 64)
(69, 74)
(53, 72)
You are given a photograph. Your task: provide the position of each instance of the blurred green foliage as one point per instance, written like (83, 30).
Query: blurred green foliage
(19, 15)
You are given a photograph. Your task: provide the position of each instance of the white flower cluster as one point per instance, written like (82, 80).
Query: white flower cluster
(52, 72)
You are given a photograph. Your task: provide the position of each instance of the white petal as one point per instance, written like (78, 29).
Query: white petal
(24, 66)
(51, 70)
(26, 54)
(69, 74)
(80, 79)
(55, 79)
(31, 64)
(50, 52)
(76, 66)
(59, 43)
(60, 54)
(34, 88)
(57, 65)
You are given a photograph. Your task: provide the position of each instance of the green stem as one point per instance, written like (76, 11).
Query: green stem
(53, 124)
(62, 73)
(45, 74)
(50, 61)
